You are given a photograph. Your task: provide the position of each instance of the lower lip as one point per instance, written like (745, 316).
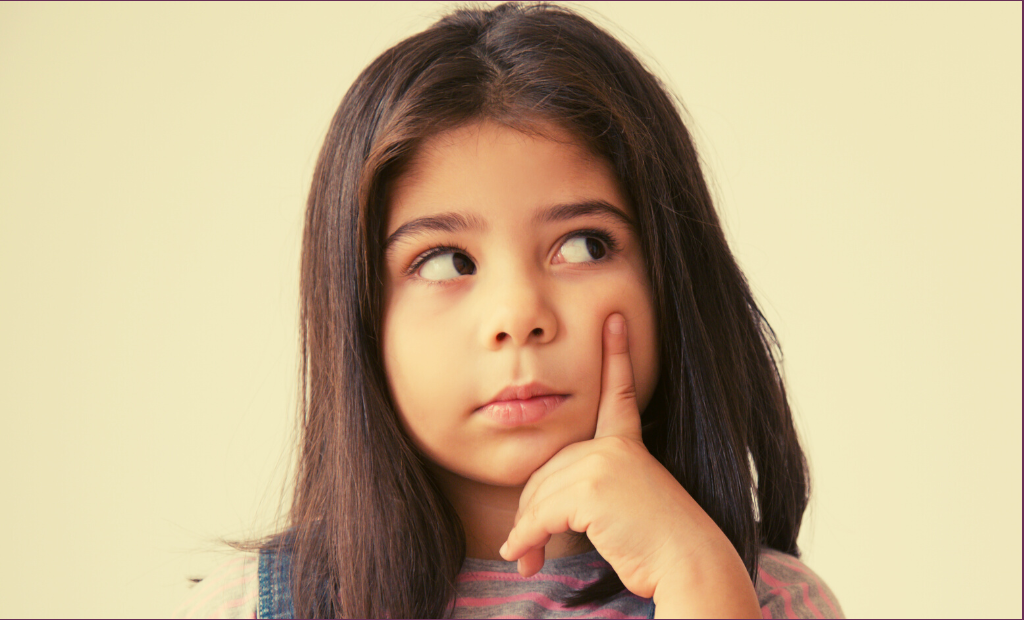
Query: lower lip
(519, 412)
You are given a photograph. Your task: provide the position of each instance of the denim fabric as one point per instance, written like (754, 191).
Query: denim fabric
(275, 600)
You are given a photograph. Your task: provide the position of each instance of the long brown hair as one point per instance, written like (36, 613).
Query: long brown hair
(371, 534)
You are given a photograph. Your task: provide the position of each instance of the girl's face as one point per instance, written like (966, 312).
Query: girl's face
(506, 252)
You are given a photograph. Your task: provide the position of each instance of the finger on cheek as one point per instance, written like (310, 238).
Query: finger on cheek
(615, 335)
(616, 324)
(617, 412)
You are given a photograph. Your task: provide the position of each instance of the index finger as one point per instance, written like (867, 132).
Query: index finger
(617, 412)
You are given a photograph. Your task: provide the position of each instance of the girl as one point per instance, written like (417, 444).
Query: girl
(525, 341)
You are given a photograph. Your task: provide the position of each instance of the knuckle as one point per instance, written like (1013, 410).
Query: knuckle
(598, 463)
(612, 445)
(627, 392)
(579, 522)
(534, 512)
(620, 443)
(591, 488)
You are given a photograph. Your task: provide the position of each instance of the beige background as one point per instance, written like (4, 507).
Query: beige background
(154, 161)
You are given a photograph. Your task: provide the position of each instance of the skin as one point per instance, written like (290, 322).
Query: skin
(525, 299)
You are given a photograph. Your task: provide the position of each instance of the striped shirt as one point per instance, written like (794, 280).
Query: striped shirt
(786, 588)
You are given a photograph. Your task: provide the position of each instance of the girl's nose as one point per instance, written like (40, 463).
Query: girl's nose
(517, 312)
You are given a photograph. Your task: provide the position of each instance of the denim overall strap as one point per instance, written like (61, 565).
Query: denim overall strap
(275, 599)
(650, 614)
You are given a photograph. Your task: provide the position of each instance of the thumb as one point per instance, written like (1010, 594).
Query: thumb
(617, 411)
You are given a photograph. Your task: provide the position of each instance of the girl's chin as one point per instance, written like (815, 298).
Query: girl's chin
(508, 462)
(511, 473)
(510, 476)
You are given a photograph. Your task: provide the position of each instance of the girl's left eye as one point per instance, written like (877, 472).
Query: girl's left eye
(445, 265)
(583, 249)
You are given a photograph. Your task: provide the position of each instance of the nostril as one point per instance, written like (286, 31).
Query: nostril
(501, 336)
(537, 331)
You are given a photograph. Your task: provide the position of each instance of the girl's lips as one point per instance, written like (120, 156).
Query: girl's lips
(519, 412)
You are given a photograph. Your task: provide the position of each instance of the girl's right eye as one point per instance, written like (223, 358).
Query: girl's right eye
(446, 266)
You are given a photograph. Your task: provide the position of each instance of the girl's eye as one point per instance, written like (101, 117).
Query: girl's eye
(446, 266)
(583, 249)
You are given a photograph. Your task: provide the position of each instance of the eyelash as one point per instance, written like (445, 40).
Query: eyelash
(431, 253)
(606, 237)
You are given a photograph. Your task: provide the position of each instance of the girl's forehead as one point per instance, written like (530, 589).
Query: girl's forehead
(540, 161)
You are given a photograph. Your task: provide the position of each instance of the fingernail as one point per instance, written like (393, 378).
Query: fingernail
(616, 325)
(504, 548)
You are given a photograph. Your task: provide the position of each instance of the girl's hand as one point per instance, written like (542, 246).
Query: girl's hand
(659, 541)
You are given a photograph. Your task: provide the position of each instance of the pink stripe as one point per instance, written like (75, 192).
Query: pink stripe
(238, 602)
(541, 600)
(535, 597)
(783, 588)
(787, 600)
(810, 602)
(794, 563)
(496, 576)
(766, 612)
(798, 566)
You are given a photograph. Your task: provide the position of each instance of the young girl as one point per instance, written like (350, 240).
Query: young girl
(535, 380)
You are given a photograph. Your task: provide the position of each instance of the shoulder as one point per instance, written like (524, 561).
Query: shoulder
(787, 588)
(229, 591)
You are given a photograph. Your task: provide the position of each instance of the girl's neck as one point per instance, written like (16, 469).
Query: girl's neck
(488, 513)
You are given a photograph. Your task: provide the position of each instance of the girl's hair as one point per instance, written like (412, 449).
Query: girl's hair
(371, 534)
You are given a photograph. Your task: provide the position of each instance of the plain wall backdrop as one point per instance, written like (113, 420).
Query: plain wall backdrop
(154, 161)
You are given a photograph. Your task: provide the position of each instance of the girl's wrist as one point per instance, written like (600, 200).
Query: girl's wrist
(712, 583)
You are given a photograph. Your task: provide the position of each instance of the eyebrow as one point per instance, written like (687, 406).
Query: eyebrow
(456, 222)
